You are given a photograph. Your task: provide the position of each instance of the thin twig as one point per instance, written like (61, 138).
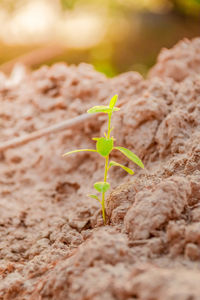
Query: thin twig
(33, 58)
(68, 124)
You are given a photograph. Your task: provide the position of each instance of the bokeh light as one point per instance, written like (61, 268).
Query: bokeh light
(114, 35)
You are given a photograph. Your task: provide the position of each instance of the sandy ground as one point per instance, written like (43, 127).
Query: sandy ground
(53, 244)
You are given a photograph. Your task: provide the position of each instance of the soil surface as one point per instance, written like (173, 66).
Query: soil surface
(53, 244)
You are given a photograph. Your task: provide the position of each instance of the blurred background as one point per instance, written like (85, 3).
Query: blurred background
(113, 35)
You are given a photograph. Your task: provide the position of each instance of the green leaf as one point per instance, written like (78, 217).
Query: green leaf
(114, 163)
(74, 151)
(104, 146)
(102, 108)
(94, 197)
(102, 187)
(113, 101)
(131, 156)
(115, 109)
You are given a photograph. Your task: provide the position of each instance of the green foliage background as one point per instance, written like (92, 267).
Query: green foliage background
(150, 28)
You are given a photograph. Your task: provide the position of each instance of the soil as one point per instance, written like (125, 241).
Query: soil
(53, 244)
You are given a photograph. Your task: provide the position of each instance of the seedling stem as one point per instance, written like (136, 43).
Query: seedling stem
(104, 146)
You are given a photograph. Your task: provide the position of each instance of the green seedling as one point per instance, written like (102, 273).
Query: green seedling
(104, 146)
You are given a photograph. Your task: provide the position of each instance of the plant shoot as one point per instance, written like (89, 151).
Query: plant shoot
(104, 146)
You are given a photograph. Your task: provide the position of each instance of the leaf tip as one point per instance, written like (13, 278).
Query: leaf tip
(89, 111)
(113, 101)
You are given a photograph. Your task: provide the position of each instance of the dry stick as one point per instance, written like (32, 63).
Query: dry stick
(19, 141)
(68, 124)
(33, 58)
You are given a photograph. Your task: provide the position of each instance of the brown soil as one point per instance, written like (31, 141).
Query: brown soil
(53, 244)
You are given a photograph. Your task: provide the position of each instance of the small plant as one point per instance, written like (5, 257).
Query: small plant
(104, 146)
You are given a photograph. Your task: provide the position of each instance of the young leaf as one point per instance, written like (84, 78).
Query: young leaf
(111, 131)
(104, 146)
(102, 108)
(114, 163)
(113, 101)
(131, 156)
(74, 151)
(102, 187)
(94, 197)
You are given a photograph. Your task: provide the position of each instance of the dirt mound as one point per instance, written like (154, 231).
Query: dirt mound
(53, 244)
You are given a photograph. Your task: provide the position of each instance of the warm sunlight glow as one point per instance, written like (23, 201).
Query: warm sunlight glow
(33, 22)
(152, 5)
(82, 30)
(43, 21)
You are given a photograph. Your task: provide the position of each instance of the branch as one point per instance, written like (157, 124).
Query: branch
(19, 141)
(33, 58)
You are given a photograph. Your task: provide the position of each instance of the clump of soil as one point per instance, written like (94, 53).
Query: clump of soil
(52, 242)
